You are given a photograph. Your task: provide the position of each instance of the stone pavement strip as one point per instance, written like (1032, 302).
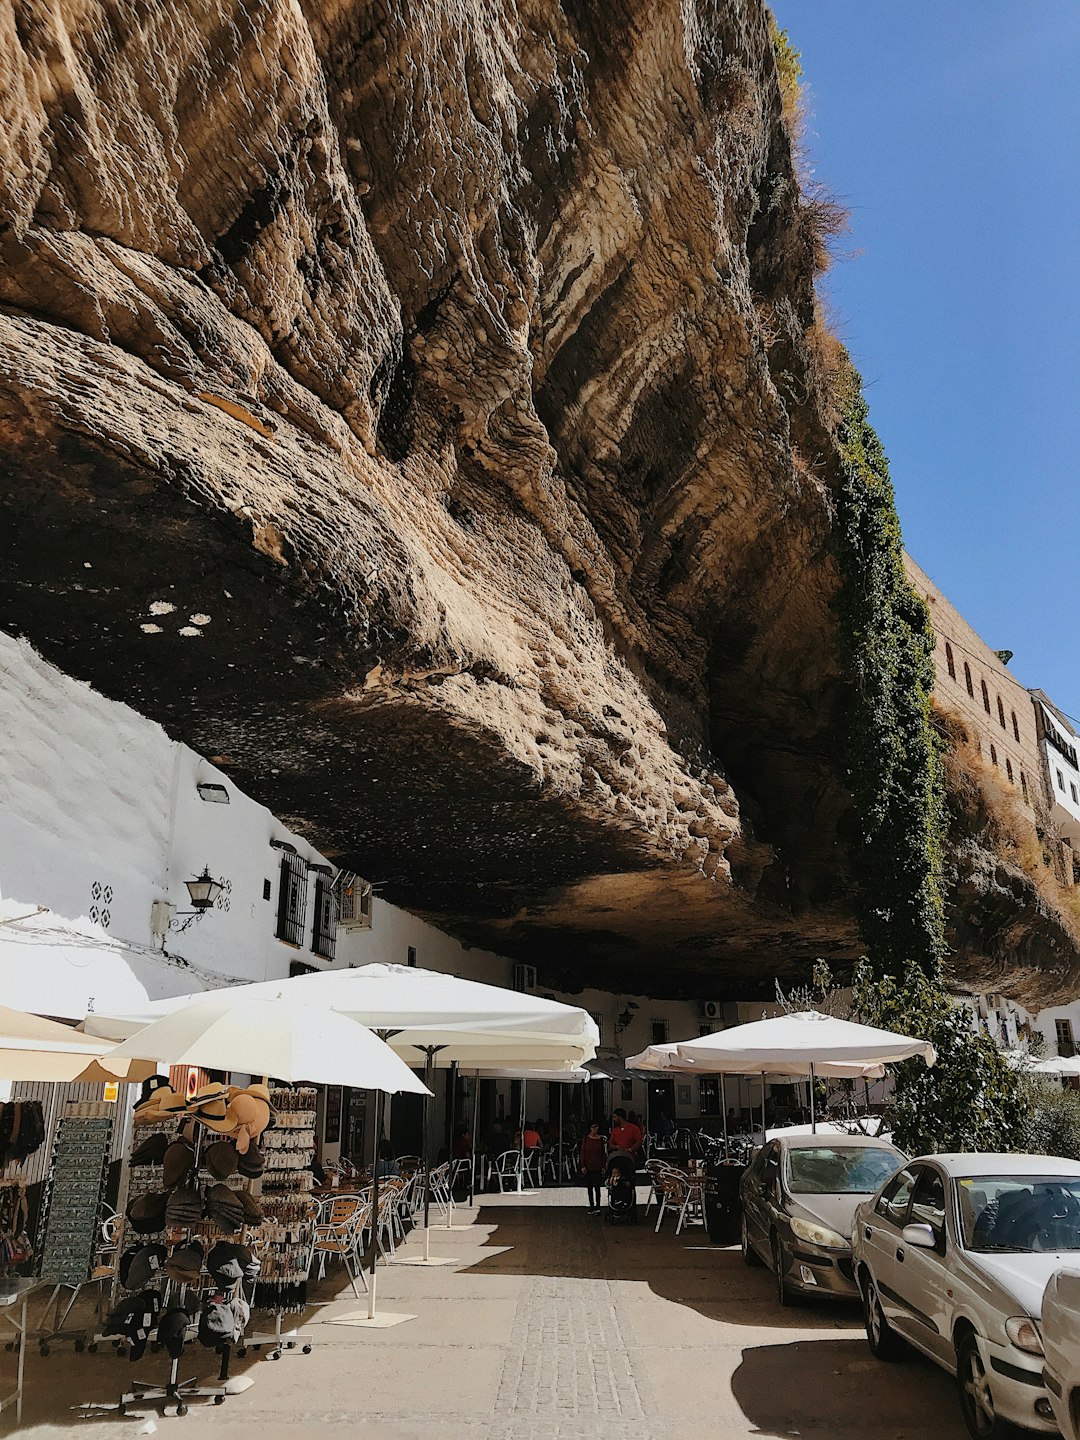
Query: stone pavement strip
(551, 1326)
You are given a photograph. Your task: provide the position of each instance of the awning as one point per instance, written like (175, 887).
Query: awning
(68, 968)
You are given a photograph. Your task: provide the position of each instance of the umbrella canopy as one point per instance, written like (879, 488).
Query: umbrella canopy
(795, 1044)
(561, 1077)
(271, 1034)
(479, 1026)
(667, 1058)
(35, 1049)
(1057, 1065)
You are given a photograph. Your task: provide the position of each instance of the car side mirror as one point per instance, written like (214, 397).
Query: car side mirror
(921, 1236)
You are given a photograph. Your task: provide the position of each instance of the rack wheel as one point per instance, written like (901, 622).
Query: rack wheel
(242, 1351)
(257, 1346)
(181, 1409)
(306, 1350)
(219, 1399)
(274, 1355)
(93, 1347)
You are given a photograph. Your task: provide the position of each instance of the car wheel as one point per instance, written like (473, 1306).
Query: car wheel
(884, 1342)
(785, 1292)
(749, 1254)
(976, 1396)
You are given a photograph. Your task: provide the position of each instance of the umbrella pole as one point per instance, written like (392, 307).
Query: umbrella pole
(813, 1113)
(521, 1138)
(723, 1112)
(429, 1075)
(764, 1132)
(375, 1202)
(453, 1127)
(472, 1138)
(562, 1141)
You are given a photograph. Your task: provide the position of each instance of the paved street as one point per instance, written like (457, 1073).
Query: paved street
(551, 1326)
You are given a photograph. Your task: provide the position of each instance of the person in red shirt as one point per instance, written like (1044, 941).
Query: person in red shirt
(591, 1159)
(625, 1135)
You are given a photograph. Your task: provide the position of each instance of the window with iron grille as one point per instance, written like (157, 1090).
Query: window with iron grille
(709, 1096)
(292, 899)
(324, 930)
(659, 1032)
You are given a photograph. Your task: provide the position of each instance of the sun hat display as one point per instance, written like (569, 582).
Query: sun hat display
(146, 1213)
(250, 1162)
(184, 1206)
(208, 1104)
(223, 1320)
(152, 1150)
(179, 1161)
(224, 1208)
(172, 1331)
(144, 1266)
(168, 1102)
(186, 1262)
(148, 1100)
(252, 1210)
(228, 1263)
(221, 1159)
(124, 1264)
(135, 1318)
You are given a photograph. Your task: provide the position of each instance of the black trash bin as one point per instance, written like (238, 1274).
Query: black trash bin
(722, 1210)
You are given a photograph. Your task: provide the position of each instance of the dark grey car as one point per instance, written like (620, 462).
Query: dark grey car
(799, 1196)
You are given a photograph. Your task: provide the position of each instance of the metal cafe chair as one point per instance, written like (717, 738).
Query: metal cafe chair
(338, 1236)
(508, 1167)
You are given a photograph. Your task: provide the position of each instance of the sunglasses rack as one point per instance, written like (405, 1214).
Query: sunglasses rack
(287, 1240)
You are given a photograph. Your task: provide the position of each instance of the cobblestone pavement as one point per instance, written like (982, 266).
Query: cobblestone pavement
(550, 1325)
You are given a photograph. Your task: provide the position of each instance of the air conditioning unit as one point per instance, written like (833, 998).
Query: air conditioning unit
(712, 1009)
(354, 901)
(524, 977)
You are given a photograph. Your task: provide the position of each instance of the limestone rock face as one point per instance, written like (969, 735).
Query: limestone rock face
(408, 405)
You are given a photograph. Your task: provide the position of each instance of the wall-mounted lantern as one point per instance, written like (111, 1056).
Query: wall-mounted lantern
(203, 890)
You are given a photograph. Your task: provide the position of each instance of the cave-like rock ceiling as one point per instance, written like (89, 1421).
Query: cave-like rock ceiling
(445, 370)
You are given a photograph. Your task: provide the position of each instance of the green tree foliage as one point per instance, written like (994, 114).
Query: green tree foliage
(788, 66)
(1052, 1120)
(970, 1099)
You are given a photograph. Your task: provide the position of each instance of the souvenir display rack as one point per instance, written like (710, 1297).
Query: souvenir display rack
(69, 1228)
(287, 1238)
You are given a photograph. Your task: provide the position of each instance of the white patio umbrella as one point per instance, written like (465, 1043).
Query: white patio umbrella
(271, 1034)
(800, 1044)
(1057, 1065)
(35, 1049)
(424, 1012)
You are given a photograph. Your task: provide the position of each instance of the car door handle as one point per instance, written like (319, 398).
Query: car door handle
(899, 1253)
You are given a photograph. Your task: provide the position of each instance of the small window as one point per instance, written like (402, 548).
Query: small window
(324, 930)
(659, 1032)
(598, 1021)
(993, 755)
(1016, 727)
(267, 889)
(709, 1096)
(1064, 1034)
(412, 955)
(1072, 788)
(985, 695)
(292, 899)
(1060, 780)
(967, 680)
(896, 1198)
(627, 1090)
(1023, 784)
(1009, 769)
(1001, 713)
(950, 661)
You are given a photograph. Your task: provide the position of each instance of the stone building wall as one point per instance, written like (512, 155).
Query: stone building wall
(975, 684)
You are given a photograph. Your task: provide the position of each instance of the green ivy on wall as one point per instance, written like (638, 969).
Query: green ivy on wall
(969, 1099)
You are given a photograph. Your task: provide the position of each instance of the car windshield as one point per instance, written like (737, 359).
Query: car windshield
(1020, 1212)
(839, 1170)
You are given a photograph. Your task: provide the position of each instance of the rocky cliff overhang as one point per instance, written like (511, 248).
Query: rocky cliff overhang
(410, 408)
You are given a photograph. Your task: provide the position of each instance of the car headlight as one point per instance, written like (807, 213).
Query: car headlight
(817, 1234)
(1024, 1334)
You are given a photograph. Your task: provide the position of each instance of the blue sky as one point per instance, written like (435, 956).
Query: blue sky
(951, 128)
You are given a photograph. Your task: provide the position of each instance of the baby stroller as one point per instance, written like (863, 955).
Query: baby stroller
(621, 1191)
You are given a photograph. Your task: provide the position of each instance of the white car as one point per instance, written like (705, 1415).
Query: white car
(952, 1256)
(1061, 1341)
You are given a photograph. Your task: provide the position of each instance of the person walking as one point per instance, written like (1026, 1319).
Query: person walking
(591, 1159)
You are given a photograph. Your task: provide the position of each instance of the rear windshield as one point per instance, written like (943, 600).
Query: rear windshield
(836, 1170)
(1020, 1212)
